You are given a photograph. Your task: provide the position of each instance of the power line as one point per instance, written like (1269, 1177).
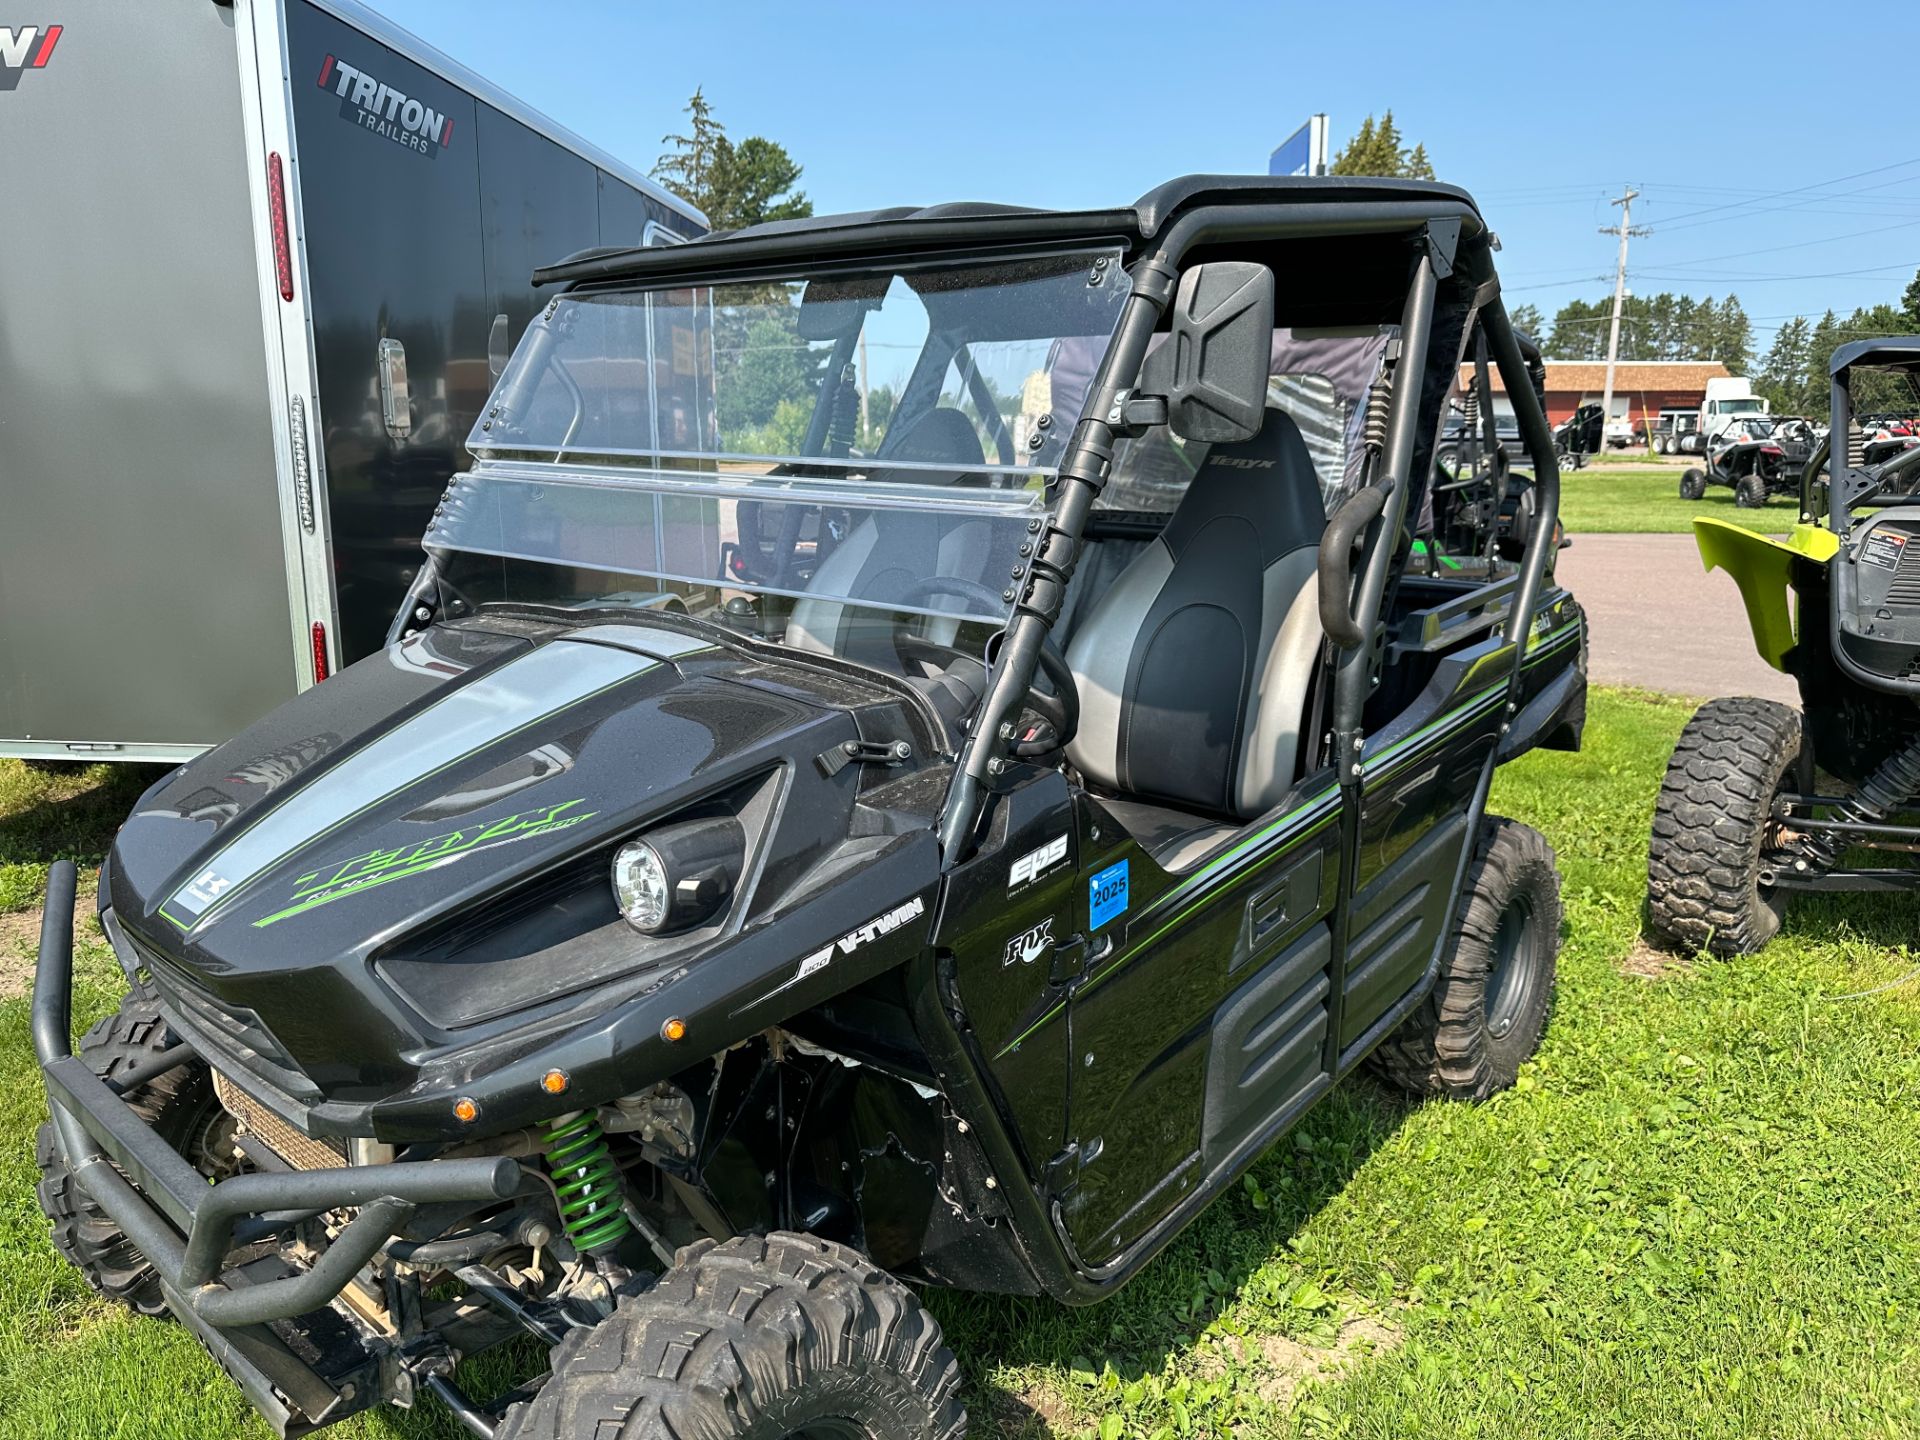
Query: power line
(1669, 221)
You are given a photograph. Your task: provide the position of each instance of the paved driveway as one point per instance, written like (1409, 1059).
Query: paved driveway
(1662, 622)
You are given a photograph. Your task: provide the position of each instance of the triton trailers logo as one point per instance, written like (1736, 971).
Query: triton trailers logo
(28, 48)
(384, 110)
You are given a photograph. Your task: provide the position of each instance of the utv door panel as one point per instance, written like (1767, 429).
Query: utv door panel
(1197, 1038)
(1269, 1045)
(1006, 922)
(1397, 921)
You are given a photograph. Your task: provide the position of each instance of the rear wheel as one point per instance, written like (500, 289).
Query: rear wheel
(756, 1338)
(1750, 493)
(1710, 826)
(1693, 484)
(180, 1105)
(1489, 1007)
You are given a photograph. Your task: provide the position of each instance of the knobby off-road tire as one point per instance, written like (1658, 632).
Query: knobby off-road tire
(753, 1339)
(1710, 826)
(1693, 484)
(1750, 493)
(1489, 1007)
(178, 1105)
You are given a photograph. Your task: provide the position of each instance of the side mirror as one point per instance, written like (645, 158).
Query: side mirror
(1213, 367)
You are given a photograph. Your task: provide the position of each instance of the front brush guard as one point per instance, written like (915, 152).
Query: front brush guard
(183, 1225)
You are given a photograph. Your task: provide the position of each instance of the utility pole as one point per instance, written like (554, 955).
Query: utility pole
(1624, 229)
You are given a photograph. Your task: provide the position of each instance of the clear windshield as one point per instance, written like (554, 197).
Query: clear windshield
(833, 369)
(814, 459)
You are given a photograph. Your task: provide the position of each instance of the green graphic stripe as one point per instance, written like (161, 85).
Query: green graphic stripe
(226, 899)
(1282, 828)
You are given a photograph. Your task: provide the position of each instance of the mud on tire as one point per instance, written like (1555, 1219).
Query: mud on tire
(750, 1339)
(177, 1104)
(1489, 1007)
(1710, 825)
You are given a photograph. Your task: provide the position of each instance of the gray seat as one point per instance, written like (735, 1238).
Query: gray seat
(887, 550)
(1193, 668)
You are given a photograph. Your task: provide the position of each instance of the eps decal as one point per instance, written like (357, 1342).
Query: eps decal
(1029, 945)
(379, 867)
(882, 924)
(389, 113)
(1035, 863)
(29, 47)
(1107, 895)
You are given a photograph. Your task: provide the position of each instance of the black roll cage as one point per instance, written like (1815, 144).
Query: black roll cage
(1161, 232)
(1435, 231)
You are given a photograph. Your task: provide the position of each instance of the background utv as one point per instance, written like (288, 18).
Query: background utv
(918, 754)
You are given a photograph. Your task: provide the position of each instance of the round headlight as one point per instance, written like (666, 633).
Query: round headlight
(640, 885)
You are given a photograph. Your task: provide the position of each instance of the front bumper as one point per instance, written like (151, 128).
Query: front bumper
(187, 1228)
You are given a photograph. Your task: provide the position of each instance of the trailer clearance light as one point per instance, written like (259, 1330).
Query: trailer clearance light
(277, 209)
(320, 670)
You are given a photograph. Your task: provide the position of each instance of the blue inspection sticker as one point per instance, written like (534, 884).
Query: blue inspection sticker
(1107, 894)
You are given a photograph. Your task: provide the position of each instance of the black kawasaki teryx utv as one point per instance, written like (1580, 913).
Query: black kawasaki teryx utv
(916, 754)
(1742, 821)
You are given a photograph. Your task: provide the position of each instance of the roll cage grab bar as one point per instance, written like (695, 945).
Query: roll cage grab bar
(1089, 455)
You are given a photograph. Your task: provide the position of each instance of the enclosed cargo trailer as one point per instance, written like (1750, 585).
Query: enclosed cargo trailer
(251, 302)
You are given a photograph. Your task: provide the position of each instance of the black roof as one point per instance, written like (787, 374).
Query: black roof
(1891, 349)
(967, 223)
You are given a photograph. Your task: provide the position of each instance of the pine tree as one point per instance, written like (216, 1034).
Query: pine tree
(687, 169)
(1375, 149)
(735, 185)
(1783, 374)
(1529, 321)
(1910, 303)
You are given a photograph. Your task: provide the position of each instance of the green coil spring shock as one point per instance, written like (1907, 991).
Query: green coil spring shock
(587, 1182)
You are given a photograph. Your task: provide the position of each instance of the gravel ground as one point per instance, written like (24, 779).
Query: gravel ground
(1662, 622)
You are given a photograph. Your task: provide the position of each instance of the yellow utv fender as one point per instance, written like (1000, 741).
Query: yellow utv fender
(1763, 569)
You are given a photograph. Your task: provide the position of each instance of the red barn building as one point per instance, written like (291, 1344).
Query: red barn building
(1641, 388)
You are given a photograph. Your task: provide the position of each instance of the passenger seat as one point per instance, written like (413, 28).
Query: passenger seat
(1194, 667)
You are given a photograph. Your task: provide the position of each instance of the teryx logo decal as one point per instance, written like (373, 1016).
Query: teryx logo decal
(28, 48)
(1030, 945)
(384, 110)
(381, 867)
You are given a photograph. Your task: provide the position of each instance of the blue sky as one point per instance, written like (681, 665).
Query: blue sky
(1753, 179)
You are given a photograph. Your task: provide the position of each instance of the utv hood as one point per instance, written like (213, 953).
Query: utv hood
(398, 882)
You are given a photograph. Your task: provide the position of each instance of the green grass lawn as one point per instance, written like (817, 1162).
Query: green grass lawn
(1619, 500)
(1697, 1215)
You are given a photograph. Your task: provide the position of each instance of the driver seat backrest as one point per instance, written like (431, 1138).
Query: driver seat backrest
(887, 550)
(1194, 667)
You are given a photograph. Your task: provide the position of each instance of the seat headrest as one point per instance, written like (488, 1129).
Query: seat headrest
(1269, 481)
(943, 436)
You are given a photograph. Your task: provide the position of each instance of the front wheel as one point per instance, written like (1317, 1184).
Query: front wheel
(1489, 1007)
(1693, 484)
(1750, 493)
(755, 1338)
(1711, 825)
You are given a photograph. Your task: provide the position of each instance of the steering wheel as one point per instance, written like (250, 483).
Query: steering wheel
(1059, 710)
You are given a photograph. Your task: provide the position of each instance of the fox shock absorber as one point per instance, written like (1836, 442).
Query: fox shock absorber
(586, 1183)
(1890, 789)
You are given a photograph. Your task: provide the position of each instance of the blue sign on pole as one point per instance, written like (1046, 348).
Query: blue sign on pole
(1293, 157)
(1302, 153)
